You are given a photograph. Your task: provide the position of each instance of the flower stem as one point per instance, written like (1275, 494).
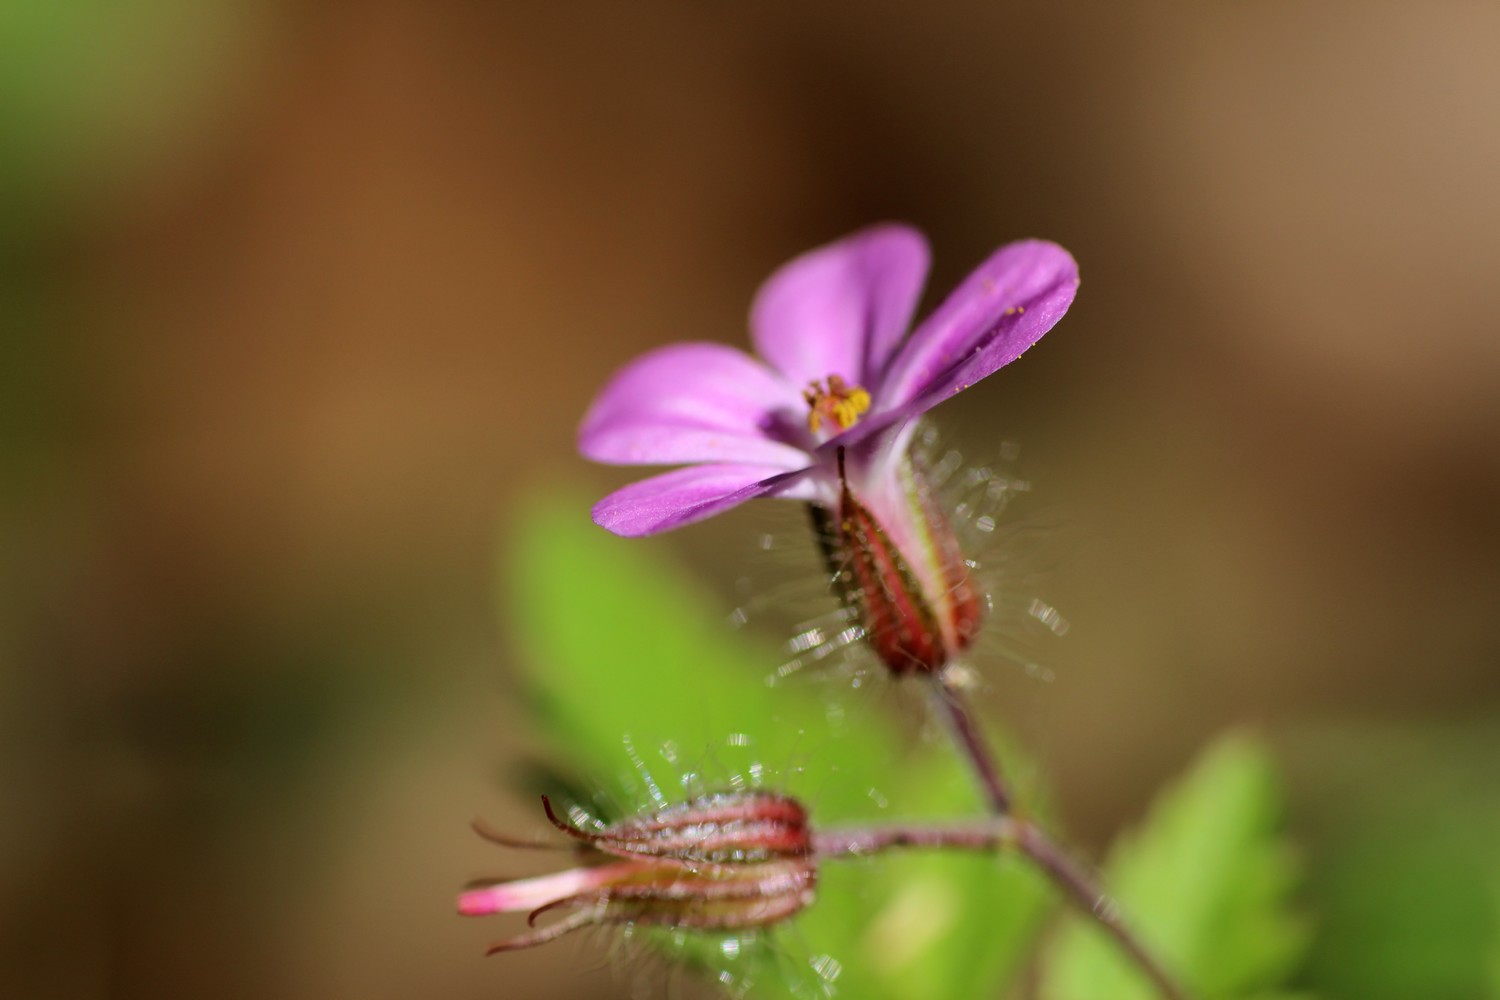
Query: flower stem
(1007, 831)
(851, 842)
(999, 833)
(972, 743)
(1072, 878)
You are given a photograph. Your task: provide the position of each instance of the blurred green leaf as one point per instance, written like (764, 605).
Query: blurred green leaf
(94, 94)
(640, 683)
(1400, 821)
(1205, 883)
(1494, 955)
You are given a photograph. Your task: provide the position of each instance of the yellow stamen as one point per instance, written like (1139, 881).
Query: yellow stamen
(834, 401)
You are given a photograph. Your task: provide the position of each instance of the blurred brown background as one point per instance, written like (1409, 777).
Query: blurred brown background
(297, 298)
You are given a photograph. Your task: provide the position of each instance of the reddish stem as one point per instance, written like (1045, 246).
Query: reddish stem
(972, 743)
(1007, 831)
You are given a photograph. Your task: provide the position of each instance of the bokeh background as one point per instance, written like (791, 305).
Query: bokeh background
(298, 299)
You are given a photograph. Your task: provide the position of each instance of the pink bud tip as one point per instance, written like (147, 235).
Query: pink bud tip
(478, 903)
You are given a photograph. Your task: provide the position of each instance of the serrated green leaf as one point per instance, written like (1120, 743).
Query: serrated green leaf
(619, 646)
(1205, 884)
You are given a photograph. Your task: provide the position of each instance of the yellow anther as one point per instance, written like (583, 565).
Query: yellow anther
(835, 402)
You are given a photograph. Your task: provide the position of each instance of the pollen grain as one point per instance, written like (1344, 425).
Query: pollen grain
(834, 402)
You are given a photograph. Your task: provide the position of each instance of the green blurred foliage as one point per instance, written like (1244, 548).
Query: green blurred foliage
(1494, 949)
(639, 686)
(1207, 881)
(1400, 824)
(93, 93)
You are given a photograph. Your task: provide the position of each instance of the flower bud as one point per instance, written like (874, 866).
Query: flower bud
(896, 563)
(728, 861)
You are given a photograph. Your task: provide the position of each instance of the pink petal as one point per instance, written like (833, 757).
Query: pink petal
(999, 311)
(683, 496)
(531, 893)
(841, 309)
(694, 403)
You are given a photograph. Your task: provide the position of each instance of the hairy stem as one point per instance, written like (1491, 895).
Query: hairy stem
(1075, 880)
(852, 842)
(1000, 833)
(1007, 831)
(972, 744)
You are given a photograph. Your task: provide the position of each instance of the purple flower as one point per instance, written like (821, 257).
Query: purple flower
(839, 375)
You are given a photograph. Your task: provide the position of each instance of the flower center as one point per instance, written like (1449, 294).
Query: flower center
(834, 402)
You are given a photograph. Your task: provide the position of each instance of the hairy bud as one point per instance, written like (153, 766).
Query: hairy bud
(728, 861)
(896, 563)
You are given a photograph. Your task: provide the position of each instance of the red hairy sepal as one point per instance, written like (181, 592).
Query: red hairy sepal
(896, 565)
